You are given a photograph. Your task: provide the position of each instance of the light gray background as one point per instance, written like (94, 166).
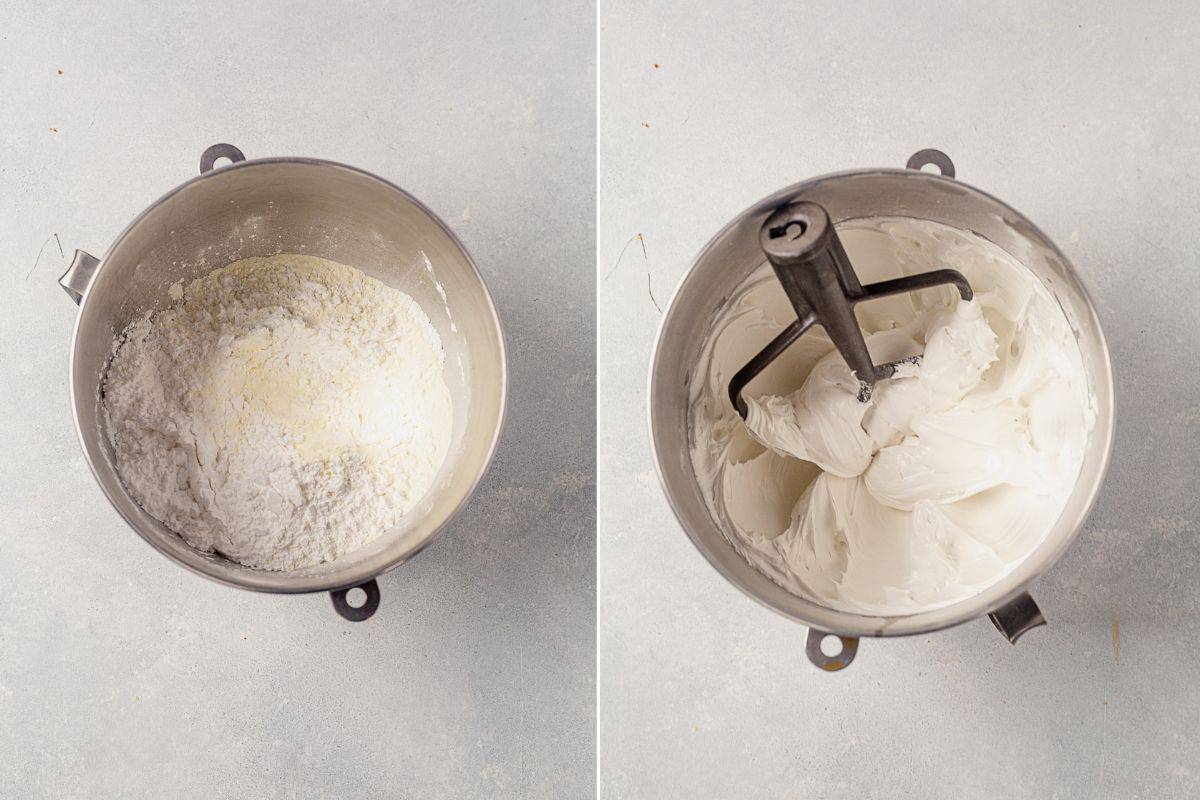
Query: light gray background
(123, 676)
(1085, 119)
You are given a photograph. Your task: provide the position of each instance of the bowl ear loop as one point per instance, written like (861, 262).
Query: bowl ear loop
(209, 158)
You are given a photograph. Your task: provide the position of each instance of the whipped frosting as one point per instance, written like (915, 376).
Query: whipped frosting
(946, 479)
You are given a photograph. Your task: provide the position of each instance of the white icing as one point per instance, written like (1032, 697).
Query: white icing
(942, 483)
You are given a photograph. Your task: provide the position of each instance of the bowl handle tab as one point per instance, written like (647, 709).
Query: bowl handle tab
(922, 158)
(1017, 617)
(356, 613)
(77, 277)
(209, 158)
(835, 662)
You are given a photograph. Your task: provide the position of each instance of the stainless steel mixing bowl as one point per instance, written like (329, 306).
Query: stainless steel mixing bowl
(296, 205)
(735, 252)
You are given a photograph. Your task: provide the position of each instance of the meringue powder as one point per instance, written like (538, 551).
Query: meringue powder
(282, 412)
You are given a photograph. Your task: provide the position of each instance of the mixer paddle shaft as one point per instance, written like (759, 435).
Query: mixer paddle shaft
(812, 267)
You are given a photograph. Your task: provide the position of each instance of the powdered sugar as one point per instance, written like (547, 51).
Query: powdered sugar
(285, 411)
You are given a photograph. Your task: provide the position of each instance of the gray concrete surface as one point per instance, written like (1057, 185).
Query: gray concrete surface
(1085, 118)
(123, 676)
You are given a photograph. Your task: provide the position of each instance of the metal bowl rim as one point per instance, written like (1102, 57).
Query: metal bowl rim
(266, 580)
(849, 623)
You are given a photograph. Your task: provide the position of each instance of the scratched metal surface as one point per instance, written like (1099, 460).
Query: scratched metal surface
(123, 676)
(1085, 119)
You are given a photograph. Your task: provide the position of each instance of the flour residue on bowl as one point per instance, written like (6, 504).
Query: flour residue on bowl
(282, 412)
(952, 474)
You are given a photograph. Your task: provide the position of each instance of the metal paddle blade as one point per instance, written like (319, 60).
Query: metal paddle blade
(816, 274)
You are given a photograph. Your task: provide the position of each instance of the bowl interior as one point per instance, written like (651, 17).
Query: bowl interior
(271, 206)
(734, 253)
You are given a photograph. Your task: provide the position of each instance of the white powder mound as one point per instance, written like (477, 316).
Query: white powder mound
(284, 412)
